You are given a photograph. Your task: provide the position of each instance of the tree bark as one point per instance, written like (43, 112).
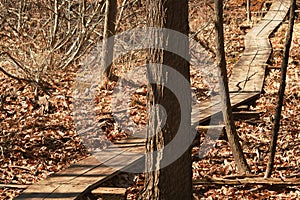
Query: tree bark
(109, 30)
(172, 182)
(284, 65)
(233, 138)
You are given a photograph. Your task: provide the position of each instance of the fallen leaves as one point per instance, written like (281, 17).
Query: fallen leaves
(38, 138)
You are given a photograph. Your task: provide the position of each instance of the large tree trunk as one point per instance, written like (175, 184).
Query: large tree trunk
(109, 30)
(233, 138)
(284, 65)
(174, 181)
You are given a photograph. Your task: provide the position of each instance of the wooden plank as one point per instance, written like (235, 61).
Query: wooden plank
(214, 108)
(67, 192)
(125, 145)
(131, 141)
(71, 182)
(107, 170)
(243, 98)
(244, 77)
(110, 193)
(246, 115)
(77, 169)
(205, 128)
(255, 81)
(74, 187)
(137, 135)
(37, 192)
(109, 190)
(73, 171)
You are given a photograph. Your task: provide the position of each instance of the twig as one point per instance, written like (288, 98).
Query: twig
(121, 14)
(14, 77)
(2, 153)
(14, 186)
(19, 167)
(24, 79)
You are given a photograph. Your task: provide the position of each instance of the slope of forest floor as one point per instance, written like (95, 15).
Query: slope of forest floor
(256, 134)
(38, 138)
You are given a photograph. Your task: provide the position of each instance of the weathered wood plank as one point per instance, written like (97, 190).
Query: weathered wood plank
(109, 190)
(205, 128)
(67, 192)
(69, 184)
(130, 140)
(37, 192)
(246, 115)
(213, 106)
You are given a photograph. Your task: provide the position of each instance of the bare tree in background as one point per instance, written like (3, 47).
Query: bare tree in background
(233, 138)
(41, 37)
(175, 180)
(109, 30)
(284, 66)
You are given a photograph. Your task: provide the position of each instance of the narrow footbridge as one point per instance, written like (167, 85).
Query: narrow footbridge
(245, 84)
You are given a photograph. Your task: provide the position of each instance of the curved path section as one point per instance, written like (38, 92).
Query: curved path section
(249, 72)
(245, 84)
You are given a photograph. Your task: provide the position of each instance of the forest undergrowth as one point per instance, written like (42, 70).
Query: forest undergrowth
(38, 136)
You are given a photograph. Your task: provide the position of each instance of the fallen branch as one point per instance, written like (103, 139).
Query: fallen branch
(14, 186)
(24, 80)
(243, 115)
(14, 77)
(249, 181)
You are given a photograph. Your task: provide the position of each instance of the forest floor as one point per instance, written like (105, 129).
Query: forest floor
(256, 134)
(37, 140)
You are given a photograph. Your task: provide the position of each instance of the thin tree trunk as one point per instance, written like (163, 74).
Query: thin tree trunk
(284, 65)
(248, 11)
(68, 16)
(233, 138)
(20, 14)
(121, 13)
(55, 23)
(172, 182)
(109, 30)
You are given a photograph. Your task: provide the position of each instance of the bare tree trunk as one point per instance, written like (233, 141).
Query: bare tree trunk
(68, 16)
(284, 65)
(20, 14)
(109, 30)
(233, 138)
(121, 13)
(249, 11)
(175, 180)
(55, 23)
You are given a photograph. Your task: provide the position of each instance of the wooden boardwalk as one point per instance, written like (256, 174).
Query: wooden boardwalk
(245, 84)
(249, 72)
